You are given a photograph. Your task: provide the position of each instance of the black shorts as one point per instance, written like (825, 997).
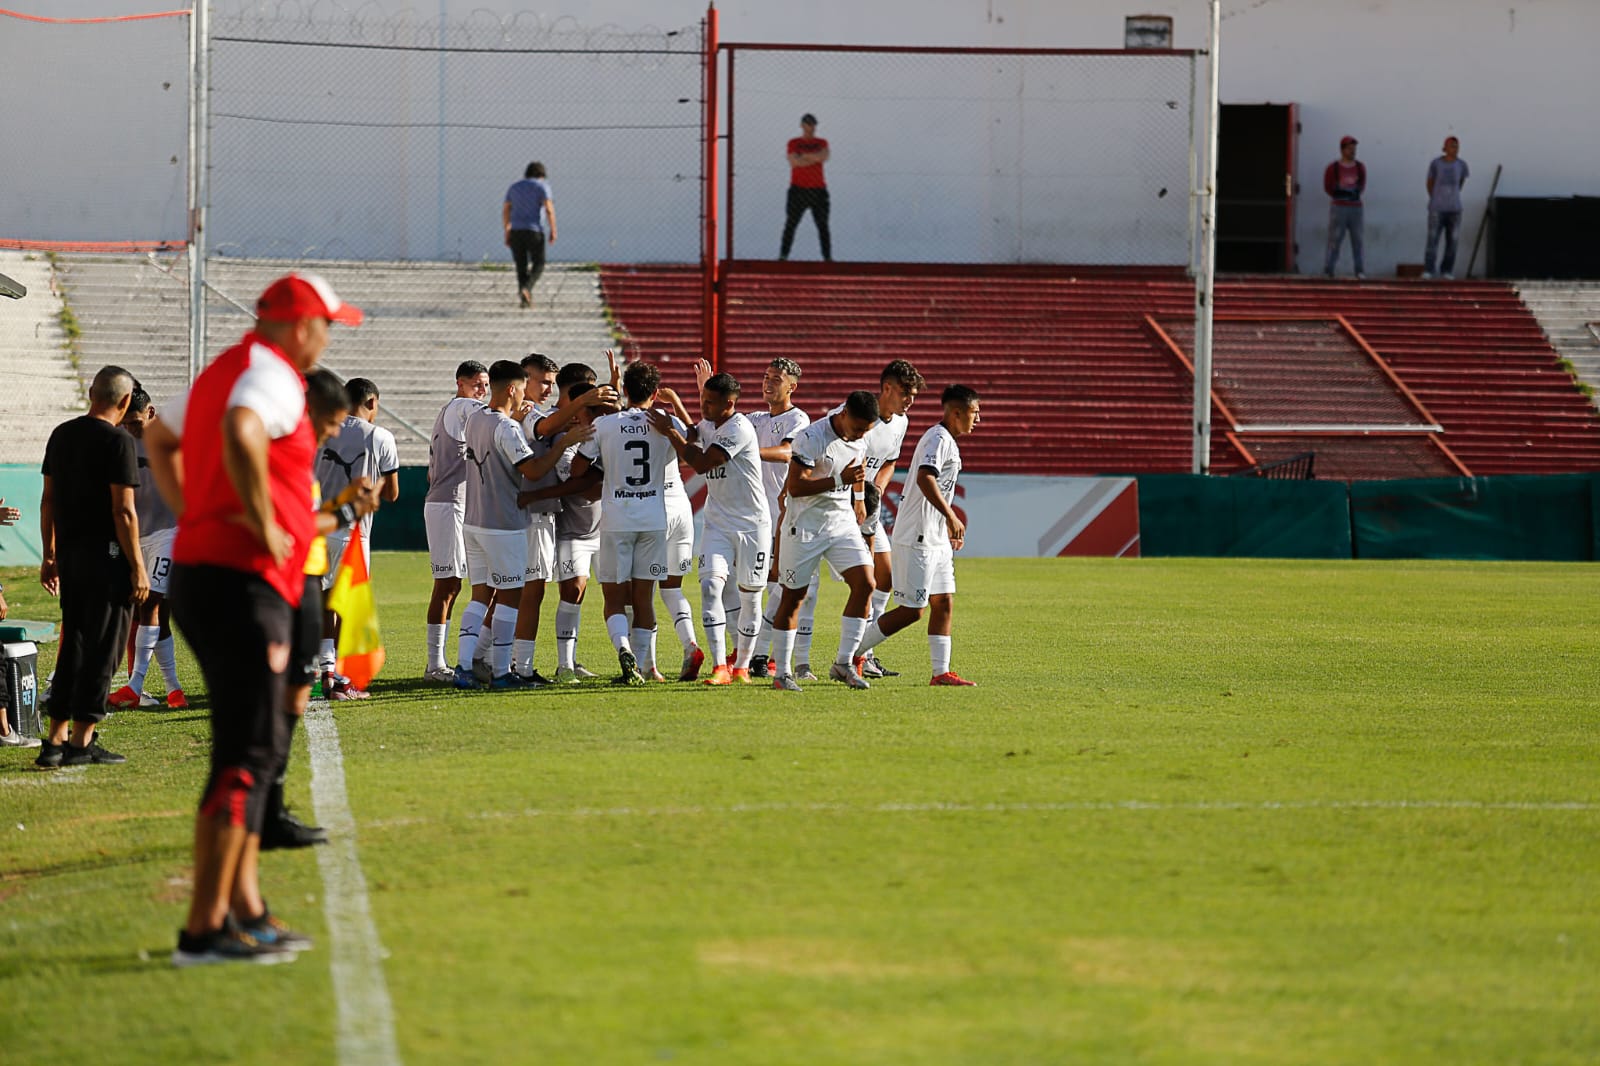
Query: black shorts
(306, 641)
(241, 632)
(95, 617)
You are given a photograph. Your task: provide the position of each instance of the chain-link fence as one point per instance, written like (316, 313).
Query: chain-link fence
(967, 156)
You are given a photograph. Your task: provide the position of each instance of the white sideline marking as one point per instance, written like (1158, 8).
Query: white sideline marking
(366, 1017)
(1008, 808)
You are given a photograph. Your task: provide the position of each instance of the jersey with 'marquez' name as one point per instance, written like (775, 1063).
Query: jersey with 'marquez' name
(824, 454)
(633, 460)
(495, 445)
(919, 524)
(773, 431)
(736, 499)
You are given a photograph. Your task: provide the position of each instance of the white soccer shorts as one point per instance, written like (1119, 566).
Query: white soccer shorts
(922, 572)
(631, 555)
(447, 545)
(574, 558)
(338, 540)
(157, 552)
(879, 541)
(801, 552)
(497, 557)
(742, 553)
(680, 543)
(541, 548)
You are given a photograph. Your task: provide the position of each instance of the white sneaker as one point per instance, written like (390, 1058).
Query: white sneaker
(803, 673)
(583, 674)
(786, 683)
(1429, 275)
(17, 739)
(847, 673)
(439, 675)
(1448, 277)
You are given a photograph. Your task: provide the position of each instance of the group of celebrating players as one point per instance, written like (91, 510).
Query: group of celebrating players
(537, 473)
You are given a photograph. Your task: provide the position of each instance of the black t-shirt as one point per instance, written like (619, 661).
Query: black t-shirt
(84, 458)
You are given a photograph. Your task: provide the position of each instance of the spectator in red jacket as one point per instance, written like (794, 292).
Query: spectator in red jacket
(1344, 181)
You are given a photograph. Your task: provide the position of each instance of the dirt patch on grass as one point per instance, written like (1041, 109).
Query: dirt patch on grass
(1130, 962)
(796, 957)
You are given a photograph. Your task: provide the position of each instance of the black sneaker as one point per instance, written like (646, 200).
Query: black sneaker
(287, 831)
(540, 681)
(72, 755)
(228, 944)
(271, 931)
(49, 757)
(758, 666)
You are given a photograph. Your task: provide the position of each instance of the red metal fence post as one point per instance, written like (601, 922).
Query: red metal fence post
(708, 254)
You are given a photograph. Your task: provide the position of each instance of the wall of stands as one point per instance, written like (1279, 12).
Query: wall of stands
(1552, 518)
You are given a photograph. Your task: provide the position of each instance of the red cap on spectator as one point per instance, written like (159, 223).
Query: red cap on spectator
(1346, 139)
(296, 296)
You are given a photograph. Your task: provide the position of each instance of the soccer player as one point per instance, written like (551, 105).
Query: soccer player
(445, 506)
(738, 529)
(820, 523)
(898, 386)
(361, 449)
(152, 635)
(633, 456)
(775, 429)
(927, 533)
(577, 541)
(496, 528)
(680, 557)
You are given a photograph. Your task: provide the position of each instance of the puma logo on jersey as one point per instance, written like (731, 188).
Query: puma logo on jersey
(348, 467)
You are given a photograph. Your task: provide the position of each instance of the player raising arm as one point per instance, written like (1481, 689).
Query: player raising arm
(926, 535)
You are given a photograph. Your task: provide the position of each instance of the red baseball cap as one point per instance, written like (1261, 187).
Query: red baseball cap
(1347, 139)
(296, 296)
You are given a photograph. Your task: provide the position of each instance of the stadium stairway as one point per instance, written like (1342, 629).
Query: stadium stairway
(1077, 382)
(41, 388)
(422, 320)
(1569, 311)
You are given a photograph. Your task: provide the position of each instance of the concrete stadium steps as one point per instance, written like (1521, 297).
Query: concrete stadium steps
(1076, 382)
(422, 320)
(41, 387)
(1568, 311)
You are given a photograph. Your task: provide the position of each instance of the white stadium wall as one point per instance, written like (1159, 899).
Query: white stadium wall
(1516, 81)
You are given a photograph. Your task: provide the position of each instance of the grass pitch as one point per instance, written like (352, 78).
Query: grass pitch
(1206, 811)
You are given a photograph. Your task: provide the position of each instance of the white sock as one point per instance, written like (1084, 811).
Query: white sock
(749, 612)
(167, 659)
(808, 620)
(567, 618)
(682, 617)
(732, 607)
(437, 634)
(467, 639)
(144, 645)
(880, 603)
(714, 617)
(768, 613)
(329, 655)
(850, 630)
(644, 646)
(522, 657)
(873, 636)
(486, 634)
(617, 630)
(503, 627)
(939, 652)
(783, 652)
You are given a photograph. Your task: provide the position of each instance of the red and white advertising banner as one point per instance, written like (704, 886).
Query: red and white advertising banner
(1016, 516)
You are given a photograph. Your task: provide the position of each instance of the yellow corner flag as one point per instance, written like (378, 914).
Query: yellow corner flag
(360, 645)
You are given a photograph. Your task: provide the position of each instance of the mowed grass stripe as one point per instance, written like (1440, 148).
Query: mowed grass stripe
(1198, 811)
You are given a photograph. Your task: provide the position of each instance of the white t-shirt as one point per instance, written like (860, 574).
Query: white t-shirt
(824, 453)
(634, 459)
(540, 446)
(919, 524)
(736, 499)
(269, 386)
(495, 445)
(447, 452)
(773, 431)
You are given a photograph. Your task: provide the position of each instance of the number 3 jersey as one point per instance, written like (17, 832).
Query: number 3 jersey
(633, 458)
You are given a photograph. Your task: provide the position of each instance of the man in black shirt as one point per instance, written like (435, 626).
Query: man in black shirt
(90, 541)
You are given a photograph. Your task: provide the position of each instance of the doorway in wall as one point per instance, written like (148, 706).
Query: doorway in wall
(1258, 186)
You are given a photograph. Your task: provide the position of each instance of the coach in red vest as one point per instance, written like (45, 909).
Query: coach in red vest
(235, 462)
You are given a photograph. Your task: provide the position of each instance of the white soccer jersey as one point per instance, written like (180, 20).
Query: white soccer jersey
(447, 452)
(919, 524)
(824, 454)
(359, 449)
(540, 446)
(883, 443)
(771, 432)
(495, 445)
(634, 459)
(736, 499)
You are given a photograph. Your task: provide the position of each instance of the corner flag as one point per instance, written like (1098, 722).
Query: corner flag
(360, 645)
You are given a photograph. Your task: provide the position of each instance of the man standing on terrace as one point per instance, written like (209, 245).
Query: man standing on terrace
(808, 189)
